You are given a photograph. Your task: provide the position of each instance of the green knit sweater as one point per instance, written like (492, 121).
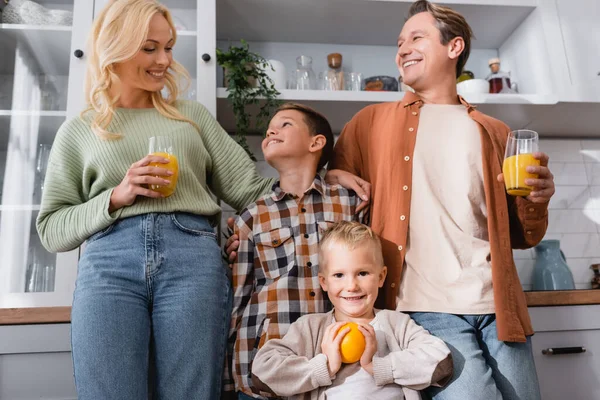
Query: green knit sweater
(83, 170)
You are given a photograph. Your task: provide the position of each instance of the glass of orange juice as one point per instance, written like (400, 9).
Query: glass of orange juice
(520, 146)
(163, 146)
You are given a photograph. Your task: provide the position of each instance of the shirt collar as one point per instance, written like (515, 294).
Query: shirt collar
(318, 184)
(411, 99)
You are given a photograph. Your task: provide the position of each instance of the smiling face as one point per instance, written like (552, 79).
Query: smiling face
(422, 59)
(147, 69)
(288, 136)
(352, 279)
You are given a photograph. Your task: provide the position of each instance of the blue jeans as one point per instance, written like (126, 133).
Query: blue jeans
(484, 367)
(155, 280)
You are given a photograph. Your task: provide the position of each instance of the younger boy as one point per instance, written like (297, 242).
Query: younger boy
(400, 357)
(275, 277)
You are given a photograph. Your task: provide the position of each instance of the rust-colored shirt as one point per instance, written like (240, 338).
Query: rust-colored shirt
(378, 144)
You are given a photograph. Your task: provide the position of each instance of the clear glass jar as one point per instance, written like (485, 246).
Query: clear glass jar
(305, 76)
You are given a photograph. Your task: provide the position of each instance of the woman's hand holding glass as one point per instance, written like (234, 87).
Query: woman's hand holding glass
(137, 180)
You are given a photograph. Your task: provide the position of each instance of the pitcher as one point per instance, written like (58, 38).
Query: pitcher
(551, 270)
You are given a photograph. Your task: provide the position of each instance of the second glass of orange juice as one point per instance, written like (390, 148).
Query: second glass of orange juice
(520, 146)
(163, 146)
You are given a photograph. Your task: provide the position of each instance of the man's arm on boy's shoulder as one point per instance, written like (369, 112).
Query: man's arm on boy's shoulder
(424, 360)
(286, 367)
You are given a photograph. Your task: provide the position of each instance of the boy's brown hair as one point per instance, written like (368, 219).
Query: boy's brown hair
(317, 125)
(351, 235)
(450, 23)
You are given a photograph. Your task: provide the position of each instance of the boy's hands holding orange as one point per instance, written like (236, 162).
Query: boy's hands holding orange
(331, 346)
(366, 360)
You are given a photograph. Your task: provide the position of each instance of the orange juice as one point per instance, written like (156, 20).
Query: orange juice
(515, 173)
(172, 166)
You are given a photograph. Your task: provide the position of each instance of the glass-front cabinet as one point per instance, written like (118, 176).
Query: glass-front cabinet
(42, 71)
(42, 47)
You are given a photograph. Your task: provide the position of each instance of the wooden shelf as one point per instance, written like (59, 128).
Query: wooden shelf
(358, 22)
(38, 315)
(562, 298)
(49, 45)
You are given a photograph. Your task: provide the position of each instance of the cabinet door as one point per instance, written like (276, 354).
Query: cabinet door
(568, 376)
(36, 71)
(581, 40)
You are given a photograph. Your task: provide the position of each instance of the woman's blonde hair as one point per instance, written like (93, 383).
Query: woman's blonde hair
(117, 35)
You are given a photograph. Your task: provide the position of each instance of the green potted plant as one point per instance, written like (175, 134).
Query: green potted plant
(247, 85)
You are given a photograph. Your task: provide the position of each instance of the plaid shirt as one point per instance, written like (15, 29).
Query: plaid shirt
(275, 276)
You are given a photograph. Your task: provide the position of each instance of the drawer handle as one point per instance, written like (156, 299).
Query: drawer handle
(563, 350)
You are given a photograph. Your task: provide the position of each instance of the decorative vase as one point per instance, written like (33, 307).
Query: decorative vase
(551, 271)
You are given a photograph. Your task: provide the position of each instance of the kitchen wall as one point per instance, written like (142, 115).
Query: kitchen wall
(574, 216)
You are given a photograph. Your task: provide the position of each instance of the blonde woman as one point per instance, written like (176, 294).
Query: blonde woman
(151, 267)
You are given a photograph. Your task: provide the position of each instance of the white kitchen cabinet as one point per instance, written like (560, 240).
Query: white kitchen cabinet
(581, 40)
(575, 375)
(526, 35)
(41, 75)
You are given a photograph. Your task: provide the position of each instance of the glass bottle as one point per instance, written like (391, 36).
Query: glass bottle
(305, 76)
(334, 73)
(499, 80)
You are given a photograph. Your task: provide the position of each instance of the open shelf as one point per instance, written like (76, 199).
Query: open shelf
(34, 113)
(357, 22)
(27, 207)
(542, 113)
(49, 45)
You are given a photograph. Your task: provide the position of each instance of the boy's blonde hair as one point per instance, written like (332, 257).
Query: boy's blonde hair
(117, 35)
(351, 235)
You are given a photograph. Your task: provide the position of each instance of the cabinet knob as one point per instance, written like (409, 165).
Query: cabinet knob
(563, 350)
(78, 53)
(206, 57)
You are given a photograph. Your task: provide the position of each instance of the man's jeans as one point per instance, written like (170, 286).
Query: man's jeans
(484, 367)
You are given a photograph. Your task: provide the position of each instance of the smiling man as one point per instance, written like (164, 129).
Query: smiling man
(446, 223)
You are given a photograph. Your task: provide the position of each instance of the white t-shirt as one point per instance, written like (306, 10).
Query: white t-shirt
(447, 264)
(352, 382)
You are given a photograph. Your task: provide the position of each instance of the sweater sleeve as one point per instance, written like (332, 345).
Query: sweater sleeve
(287, 366)
(423, 360)
(66, 217)
(233, 177)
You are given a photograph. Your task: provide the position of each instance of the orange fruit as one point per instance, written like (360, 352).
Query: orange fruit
(353, 344)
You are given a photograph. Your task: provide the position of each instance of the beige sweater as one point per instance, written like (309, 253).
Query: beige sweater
(294, 365)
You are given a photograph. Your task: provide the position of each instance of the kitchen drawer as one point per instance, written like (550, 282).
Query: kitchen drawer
(568, 376)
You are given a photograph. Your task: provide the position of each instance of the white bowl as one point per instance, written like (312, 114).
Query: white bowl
(473, 86)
